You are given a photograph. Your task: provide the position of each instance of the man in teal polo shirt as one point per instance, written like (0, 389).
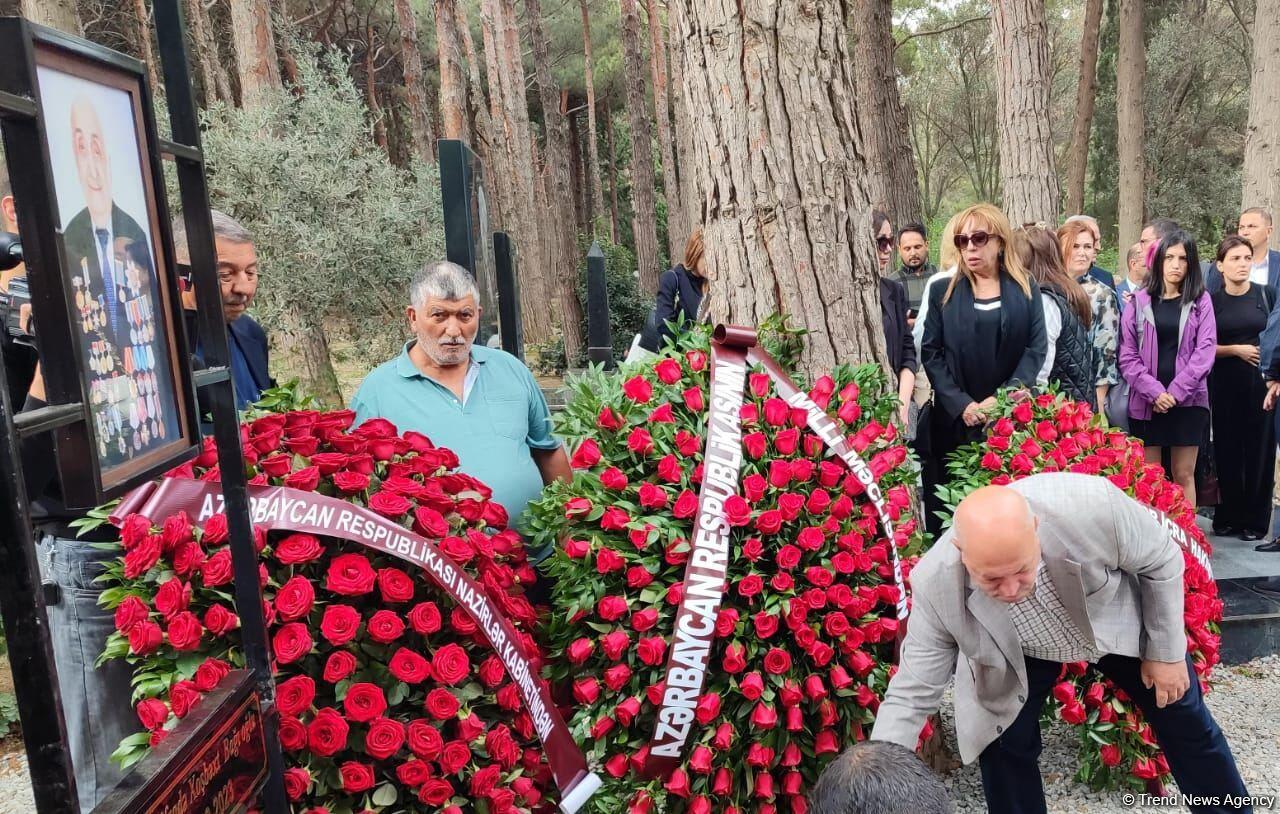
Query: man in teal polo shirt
(480, 402)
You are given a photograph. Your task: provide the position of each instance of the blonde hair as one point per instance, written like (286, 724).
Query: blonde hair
(997, 225)
(948, 254)
(693, 251)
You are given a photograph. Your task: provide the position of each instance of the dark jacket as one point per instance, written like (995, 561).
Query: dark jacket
(245, 339)
(949, 328)
(1073, 362)
(679, 296)
(1213, 277)
(898, 342)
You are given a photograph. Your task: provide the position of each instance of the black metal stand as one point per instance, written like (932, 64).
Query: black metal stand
(599, 332)
(504, 260)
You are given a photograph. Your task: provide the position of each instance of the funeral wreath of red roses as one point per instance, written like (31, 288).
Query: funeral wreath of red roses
(1050, 433)
(805, 633)
(390, 697)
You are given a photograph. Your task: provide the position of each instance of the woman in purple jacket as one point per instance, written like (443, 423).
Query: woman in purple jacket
(1167, 347)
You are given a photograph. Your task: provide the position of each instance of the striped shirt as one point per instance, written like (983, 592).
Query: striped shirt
(1045, 628)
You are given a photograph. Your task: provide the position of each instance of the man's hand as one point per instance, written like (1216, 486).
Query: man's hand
(1169, 679)
(1273, 393)
(1164, 403)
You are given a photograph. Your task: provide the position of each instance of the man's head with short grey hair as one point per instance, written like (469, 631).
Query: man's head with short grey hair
(442, 280)
(236, 258)
(225, 227)
(878, 777)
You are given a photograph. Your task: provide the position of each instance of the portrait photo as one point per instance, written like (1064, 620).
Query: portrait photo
(114, 275)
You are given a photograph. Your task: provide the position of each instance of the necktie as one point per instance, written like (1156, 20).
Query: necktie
(108, 281)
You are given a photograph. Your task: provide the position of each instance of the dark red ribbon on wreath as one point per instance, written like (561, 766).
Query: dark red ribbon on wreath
(734, 350)
(278, 508)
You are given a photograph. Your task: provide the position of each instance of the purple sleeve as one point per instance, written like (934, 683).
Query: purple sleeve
(1191, 375)
(1132, 368)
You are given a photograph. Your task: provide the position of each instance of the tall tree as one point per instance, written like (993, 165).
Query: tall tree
(644, 218)
(299, 339)
(371, 50)
(893, 179)
(560, 245)
(424, 138)
(769, 90)
(478, 108)
(1078, 147)
(1027, 171)
(143, 18)
(662, 116)
(213, 74)
(593, 137)
(1261, 174)
(63, 15)
(453, 89)
(1131, 73)
(612, 174)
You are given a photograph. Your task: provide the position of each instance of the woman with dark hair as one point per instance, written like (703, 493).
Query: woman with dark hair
(898, 342)
(984, 330)
(1168, 341)
(1243, 432)
(1067, 315)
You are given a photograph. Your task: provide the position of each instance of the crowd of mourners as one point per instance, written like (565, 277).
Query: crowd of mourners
(1178, 348)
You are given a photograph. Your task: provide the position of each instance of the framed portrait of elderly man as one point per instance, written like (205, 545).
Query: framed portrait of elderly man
(115, 275)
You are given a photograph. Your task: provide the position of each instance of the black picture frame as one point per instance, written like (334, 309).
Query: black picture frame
(122, 358)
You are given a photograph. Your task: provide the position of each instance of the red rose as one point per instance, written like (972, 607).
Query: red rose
(645, 619)
(586, 455)
(734, 658)
(693, 399)
(424, 739)
(210, 674)
(638, 389)
(750, 585)
(425, 618)
(384, 738)
(395, 585)
(1074, 713)
(435, 792)
(769, 522)
(491, 672)
(338, 666)
(130, 612)
(295, 598)
(389, 504)
(297, 781)
(356, 777)
(752, 686)
(183, 696)
(295, 695)
(613, 479)
(611, 608)
(173, 596)
(364, 702)
(142, 557)
(586, 690)
(292, 642)
(708, 708)
(385, 627)
(340, 624)
(152, 713)
(1145, 769)
(219, 620)
(185, 631)
(455, 755)
(276, 466)
(608, 419)
(579, 650)
(617, 676)
(1111, 755)
(217, 570)
(135, 529)
(409, 667)
(350, 575)
(306, 479)
(297, 549)
(652, 650)
(668, 371)
(450, 664)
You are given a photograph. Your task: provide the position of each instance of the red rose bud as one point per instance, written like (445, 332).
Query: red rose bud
(755, 445)
(1074, 713)
(586, 455)
(866, 697)
(678, 783)
(790, 693)
(825, 743)
(860, 662)
(723, 739)
(787, 441)
(840, 679)
(693, 399)
(613, 479)
(608, 419)
(752, 686)
(735, 660)
(1093, 697)
(652, 497)
(652, 651)
(668, 371)
(686, 505)
(616, 766)
(777, 661)
(617, 677)
(638, 577)
(700, 760)
(764, 717)
(708, 708)
(638, 389)
(699, 805)
(608, 561)
(153, 713)
(662, 415)
(614, 519)
(1064, 692)
(723, 783)
(1111, 755)
(827, 714)
(687, 444)
(586, 690)
(576, 549)
(614, 644)
(641, 803)
(669, 469)
(764, 786)
(627, 711)
(611, 608)
(577, 507)
(654, 692)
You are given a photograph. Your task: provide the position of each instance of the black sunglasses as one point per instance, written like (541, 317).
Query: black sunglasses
(978, 239)
(884, 243)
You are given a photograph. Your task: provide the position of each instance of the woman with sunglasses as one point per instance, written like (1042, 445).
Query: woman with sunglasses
(1067, 316)
(1243, 431)
(1078, 246)
(984, 330)
(899, 345)
(1168, 341)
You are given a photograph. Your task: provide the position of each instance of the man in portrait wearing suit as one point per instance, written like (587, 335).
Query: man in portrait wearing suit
(1055, 568)
(118, 304)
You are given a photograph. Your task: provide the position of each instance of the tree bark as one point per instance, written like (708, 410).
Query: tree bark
(513, 160)
(1261, 172)
(216, 83)
(255, 50)
(1027, 171)
(303, 344)
(1131, 71)
(593, 137)
(779, 169)
(424, 140)
(560, 245)
(60, 14)
(453, 91)
(1078, 151)
(893, 182)
(612, 175)
(481, 121)
(644, 223)
(371, 92)
(662, 116)
(145, 51)
(577, 173)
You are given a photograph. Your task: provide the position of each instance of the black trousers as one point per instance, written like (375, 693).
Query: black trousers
(1244, 448)
(1195, 747)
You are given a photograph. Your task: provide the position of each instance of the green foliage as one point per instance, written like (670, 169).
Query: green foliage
(8, 712)
(339, 230)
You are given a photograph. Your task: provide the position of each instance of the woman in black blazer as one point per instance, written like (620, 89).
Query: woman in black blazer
(983, 332)
(680, 291)
(898, 341)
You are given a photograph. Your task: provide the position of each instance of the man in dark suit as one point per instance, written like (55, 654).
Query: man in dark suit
(238, 280)
(118, 299)
(1255, 226)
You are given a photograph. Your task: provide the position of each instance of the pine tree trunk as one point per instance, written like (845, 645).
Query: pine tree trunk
(644, 223)
(1027, 171)
(893, 181)
(1078, 151)
(255, 50)
(371, 93)
(60, 14)
(216, 83)
(1131, 71)
(453, 91)
(780, 169)
(481, 122)
(424, 140)
(593, 137)
(512, 158)
(146, 53)
(691, 208)
(662, 115)
(560, 245)
(612, 175)
(1261, 172)
(577, 173)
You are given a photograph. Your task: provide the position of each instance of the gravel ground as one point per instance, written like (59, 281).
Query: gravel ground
(1245, 700)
